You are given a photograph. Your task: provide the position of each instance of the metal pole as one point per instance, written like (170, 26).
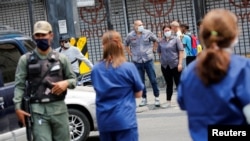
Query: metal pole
(127, 26)
(30, 15)
(107, 4)
(76, 19)
(195, 17)
(125, 16)
(199, 10)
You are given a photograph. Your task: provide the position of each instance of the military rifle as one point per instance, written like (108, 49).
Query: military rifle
(26, 106)
(28, 119)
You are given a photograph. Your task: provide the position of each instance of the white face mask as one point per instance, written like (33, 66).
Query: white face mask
(231, 47)
(66, 45)
(140, 28)
(167, 34)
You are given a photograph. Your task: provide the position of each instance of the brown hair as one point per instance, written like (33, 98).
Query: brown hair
(218, 31)
(113, 51)
(166, 26)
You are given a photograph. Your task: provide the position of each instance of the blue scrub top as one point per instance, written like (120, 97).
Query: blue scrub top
(115, 96)
(219, 103)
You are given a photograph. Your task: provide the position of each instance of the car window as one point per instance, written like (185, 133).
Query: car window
(9, 56)
(29, 44)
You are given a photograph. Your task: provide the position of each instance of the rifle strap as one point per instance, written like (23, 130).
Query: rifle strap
(74, 61)
(60, 50)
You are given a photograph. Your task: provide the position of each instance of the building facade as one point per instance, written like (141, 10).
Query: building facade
(93, 21)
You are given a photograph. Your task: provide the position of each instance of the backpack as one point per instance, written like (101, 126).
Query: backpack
(194, 43)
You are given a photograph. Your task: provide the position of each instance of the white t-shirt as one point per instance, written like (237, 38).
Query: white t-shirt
(74, 54)
(179, 35)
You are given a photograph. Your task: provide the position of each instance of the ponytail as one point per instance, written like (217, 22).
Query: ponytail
(217, 33)
(212, 65)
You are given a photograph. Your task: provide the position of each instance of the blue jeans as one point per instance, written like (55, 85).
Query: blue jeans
(149, 68)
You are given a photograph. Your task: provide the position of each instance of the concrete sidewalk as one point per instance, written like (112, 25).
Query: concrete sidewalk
(151, 99)
(157, 123)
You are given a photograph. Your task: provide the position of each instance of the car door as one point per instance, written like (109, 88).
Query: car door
(10, 53)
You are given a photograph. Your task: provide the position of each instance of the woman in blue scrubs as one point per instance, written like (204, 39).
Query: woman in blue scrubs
(117, 83)
(215, 88)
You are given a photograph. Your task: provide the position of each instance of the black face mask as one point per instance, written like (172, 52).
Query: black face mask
(42, 44)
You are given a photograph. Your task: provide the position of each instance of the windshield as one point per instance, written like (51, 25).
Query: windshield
(29, 44)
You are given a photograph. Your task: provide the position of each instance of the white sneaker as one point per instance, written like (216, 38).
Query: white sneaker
(166, 105)
(157, 102)
(143, 102)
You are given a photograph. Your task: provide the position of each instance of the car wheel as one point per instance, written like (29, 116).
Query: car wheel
(79, 125)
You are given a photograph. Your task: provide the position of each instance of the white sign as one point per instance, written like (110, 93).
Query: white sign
(62, 26)
(84, 3)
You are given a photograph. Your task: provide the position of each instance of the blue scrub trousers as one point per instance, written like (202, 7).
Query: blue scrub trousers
(122, 135)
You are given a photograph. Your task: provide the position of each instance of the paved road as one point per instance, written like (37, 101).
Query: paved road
(158, 124)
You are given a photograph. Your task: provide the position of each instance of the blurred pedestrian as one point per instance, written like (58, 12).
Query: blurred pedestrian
(45, 75)
(187, 44)
(176, 31)
(159, 35)
(170, 50)
(138, 45)
(117, 83)
(214, 89)
(73, 53)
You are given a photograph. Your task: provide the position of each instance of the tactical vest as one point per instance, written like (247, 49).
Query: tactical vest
(41, 73)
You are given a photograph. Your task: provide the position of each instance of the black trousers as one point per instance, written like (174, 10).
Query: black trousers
(189, 59)
(170, 75)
